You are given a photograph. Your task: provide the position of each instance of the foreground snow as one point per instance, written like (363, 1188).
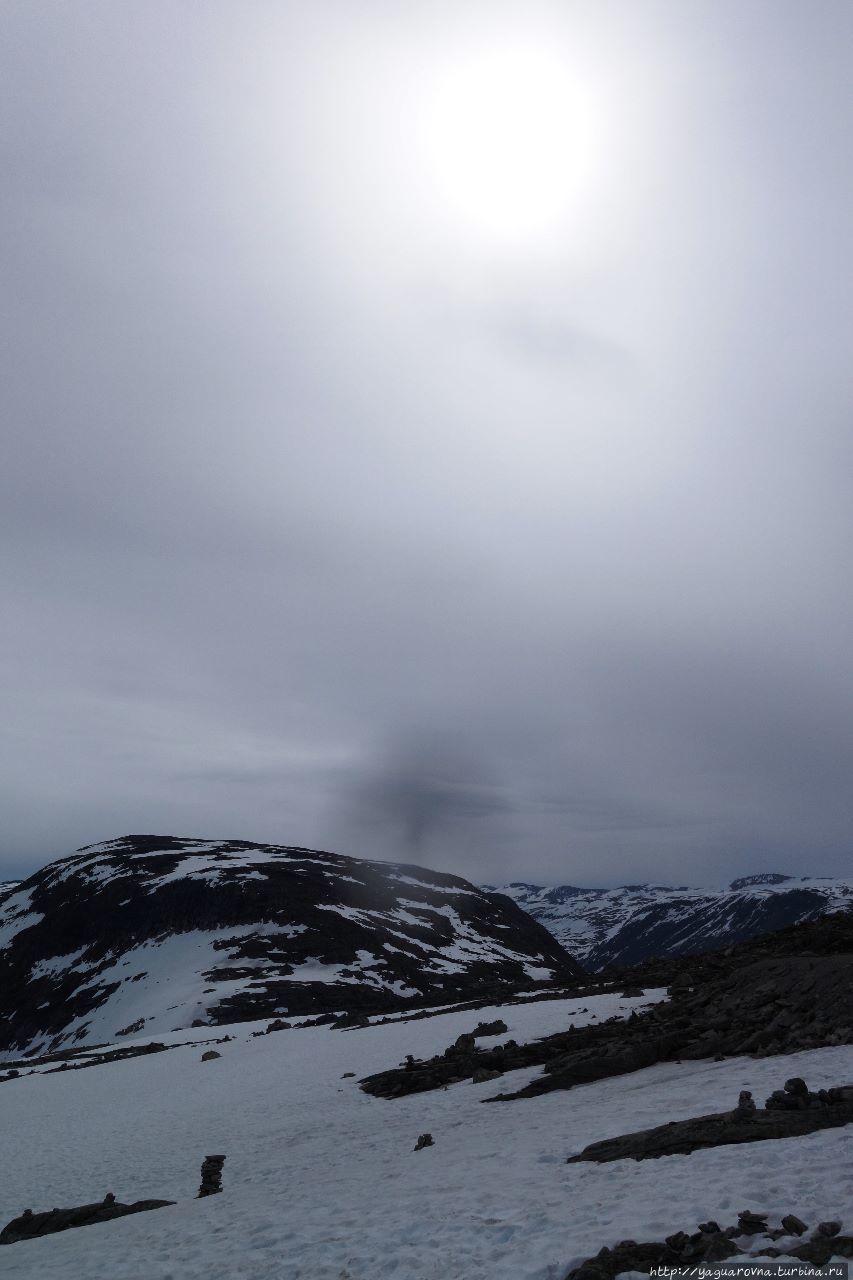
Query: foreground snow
(321, 1182)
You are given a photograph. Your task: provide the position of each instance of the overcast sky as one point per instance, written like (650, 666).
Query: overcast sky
(361, 496)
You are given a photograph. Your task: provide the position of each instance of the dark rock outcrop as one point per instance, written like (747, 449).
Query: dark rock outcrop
(31, 1225)
(828, 1109)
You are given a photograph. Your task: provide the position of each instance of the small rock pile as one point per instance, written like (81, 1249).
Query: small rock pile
(211, 1176)
(712, 1243)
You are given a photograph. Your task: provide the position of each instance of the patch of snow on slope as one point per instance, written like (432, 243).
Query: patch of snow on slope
(18, 916)
(54, 965)
(189, 955)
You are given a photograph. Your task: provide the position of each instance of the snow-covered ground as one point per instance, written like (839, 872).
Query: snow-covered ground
(321, 1181)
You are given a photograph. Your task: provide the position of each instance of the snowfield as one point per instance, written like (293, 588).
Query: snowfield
(321, 1181)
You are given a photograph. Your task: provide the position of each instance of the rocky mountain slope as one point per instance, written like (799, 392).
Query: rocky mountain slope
(153, 933)
(786, 992)
(632, 923)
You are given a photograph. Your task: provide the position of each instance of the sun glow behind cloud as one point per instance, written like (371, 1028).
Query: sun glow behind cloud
(419, 146)
(505, 137)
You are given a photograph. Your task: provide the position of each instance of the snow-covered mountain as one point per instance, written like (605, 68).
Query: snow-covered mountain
(156, 933)
(635, 922)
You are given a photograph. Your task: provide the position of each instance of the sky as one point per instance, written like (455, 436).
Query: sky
(427, 432)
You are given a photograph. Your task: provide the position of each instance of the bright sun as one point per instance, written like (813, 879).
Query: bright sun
(503, 141)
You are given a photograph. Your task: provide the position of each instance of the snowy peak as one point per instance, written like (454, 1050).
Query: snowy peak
(153, 933)
(632, 923)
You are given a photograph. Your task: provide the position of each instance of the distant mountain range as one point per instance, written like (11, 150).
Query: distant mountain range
(636, 922)
(148, 934)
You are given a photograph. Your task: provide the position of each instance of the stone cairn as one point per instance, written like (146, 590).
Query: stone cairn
(211, 1176)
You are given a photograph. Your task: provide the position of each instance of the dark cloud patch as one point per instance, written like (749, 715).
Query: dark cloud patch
(554, 341)
(428, 788)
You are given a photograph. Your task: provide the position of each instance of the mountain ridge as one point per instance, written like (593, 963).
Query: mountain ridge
(630, 924)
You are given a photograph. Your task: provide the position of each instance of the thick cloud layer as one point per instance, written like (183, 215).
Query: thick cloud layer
(330, 521)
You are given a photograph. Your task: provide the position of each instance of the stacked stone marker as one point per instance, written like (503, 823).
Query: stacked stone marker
(211, 1176)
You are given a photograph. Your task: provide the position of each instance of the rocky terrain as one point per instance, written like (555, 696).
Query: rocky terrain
(152, 934)
(782, 993)
(633, 923)
(751, 1237)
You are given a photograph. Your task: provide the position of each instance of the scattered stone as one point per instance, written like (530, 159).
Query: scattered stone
(211, 1176)
(425, 1140)
(210, 1055)
(828, 1228)
(745, 1105)
(496, 1028)
(794, 1225)
(347, 1075)
(819, 1250)
(751, 1224)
